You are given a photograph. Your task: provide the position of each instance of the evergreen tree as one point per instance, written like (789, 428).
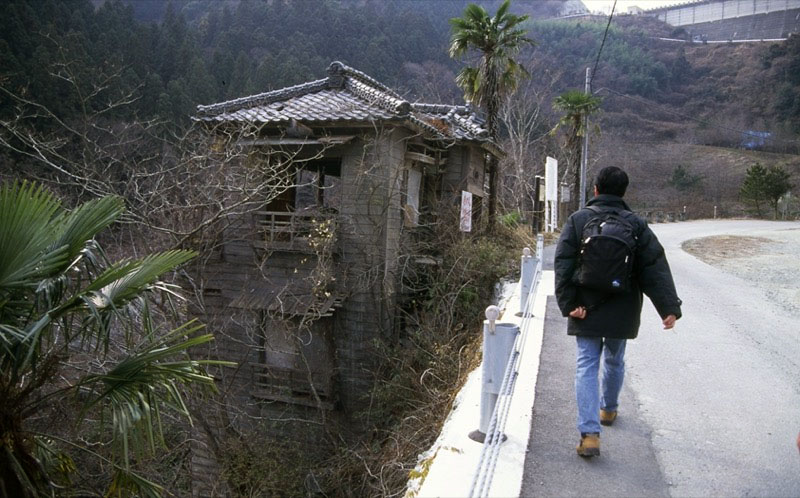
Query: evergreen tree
(752, 190)
(683, 180)
(776, 184)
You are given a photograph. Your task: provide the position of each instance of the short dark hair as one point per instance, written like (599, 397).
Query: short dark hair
(611, 180)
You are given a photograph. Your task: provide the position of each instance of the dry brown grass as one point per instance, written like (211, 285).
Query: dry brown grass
(424, 371)
(721, 247)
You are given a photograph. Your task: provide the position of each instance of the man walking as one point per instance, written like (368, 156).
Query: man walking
(605, 259)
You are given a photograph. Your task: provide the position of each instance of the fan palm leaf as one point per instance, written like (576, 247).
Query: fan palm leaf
(26, 231)
(576, 105)
(58, 295)
(497, 39)
(136, 386)
(38, 240)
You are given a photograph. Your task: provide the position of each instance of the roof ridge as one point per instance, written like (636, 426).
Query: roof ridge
(338, 67)
(375, 96)
(367, 88)
(337, 71)
(264, 98)
(442, 108)
(472, 123)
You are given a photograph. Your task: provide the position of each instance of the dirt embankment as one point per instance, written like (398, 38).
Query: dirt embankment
(770, 262)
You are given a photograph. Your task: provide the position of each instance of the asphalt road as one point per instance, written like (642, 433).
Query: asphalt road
(711, 409)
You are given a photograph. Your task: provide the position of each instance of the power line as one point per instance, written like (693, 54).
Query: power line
(602, 44)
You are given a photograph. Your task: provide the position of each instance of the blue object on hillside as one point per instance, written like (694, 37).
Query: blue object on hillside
(755, 139)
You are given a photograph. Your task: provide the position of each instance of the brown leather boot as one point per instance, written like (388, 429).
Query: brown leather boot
(607, 418)
(589, 445)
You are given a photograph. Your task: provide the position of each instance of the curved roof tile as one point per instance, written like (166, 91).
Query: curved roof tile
(347, 95)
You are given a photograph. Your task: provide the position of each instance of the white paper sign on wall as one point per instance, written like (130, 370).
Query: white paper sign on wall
(465, 224)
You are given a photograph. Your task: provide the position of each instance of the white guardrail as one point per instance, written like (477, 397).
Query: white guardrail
(457, 465)
(497, 351)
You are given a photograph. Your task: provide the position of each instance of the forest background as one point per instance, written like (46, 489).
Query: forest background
(681, 117)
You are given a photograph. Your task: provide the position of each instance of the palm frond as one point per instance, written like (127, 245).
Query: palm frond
(9, 336)
(39, 243)
(27, 212)
(469, 30)
(126, 281)
(476, 15)
(57, 464)
(512, 75)
(575, 105)
(469, 79)
(126, 483)
(52, 283)
(497, 39)
(501, 11)
(86, 221)
(512, 41)
(136, 386)
(25, 354)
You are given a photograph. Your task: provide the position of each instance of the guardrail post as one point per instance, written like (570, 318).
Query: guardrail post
(526, 274)
(498, 342)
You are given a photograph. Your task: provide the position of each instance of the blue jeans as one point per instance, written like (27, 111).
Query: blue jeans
(586, 388)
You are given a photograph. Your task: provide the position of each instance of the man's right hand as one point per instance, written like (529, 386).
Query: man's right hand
(669, 322)
(579, 313)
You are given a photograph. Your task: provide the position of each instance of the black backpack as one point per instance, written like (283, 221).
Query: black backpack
(607, 250)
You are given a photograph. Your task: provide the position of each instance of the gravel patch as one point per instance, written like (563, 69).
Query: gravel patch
(767, 260)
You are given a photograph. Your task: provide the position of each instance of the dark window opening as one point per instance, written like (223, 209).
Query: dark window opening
(316, 185)
(292, 371)
(413, 190)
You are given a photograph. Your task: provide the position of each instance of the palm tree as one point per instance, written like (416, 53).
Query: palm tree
(576, 106)
(78, 341)
(498, 39)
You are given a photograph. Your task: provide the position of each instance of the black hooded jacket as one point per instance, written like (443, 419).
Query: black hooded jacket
(613, 315)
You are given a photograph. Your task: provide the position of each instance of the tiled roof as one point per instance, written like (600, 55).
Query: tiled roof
(347, 96)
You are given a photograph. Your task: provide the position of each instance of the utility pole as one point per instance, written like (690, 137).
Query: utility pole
(585, 145)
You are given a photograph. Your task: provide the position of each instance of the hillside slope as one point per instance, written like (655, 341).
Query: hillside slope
(171, 56)
(669, 104)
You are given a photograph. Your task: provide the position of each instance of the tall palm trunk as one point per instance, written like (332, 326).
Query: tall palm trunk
(576, 106)
(577, 154)
(492, 111)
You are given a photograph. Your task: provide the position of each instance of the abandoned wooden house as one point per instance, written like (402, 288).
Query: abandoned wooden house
(299, 289)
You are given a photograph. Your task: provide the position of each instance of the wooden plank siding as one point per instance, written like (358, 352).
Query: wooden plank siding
(295, 383)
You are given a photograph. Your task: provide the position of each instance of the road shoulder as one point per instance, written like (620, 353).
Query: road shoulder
(627, 465)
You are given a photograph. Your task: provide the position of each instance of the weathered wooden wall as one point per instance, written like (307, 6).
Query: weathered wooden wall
(370, 218)
(465, 171)
(301, 382)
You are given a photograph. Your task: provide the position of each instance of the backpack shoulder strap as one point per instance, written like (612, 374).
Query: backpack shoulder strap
(594, 209)
(625, 214)
(621, 212)
(605, 209)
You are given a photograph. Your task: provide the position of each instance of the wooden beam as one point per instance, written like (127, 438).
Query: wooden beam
(416, 156)
(332, 140)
